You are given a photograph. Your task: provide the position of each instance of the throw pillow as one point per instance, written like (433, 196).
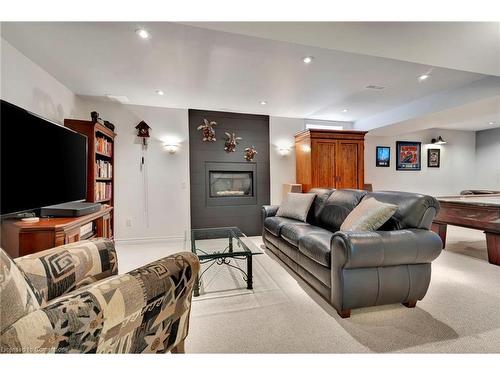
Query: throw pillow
(296, 206)
(369, 215)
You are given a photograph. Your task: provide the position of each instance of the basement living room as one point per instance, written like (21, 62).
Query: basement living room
(250, 187)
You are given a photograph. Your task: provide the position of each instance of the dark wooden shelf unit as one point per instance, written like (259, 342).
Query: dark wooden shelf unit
(20, 238)
(92, 131)
(330, 159)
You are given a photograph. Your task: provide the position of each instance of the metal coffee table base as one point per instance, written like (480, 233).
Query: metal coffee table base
(225, 259)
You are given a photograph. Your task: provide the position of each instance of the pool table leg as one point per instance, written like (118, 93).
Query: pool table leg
(493, 245)
(440, 229)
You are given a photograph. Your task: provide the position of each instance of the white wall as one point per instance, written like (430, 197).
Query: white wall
(282, 167)
(488, 159)
(27, 85)
(167, 175)
(455, 174)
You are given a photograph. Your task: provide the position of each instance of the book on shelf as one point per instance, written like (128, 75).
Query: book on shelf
(102, 191)
(103, 145)
(104, 169)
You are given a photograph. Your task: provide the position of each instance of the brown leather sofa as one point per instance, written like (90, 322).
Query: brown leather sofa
(358, 269)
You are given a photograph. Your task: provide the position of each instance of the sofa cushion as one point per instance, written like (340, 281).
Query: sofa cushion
(296, 206)
(414, 210)
(274, 224)
(17, 296)
(338, 206)
(318, 204)
(316, 246)
(292, 232)
(369, 215)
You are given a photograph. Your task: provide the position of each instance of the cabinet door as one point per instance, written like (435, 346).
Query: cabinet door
(72, 236)
(349, 165)
(323, 163)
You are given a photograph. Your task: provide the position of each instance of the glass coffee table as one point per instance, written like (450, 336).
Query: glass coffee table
(221, 246)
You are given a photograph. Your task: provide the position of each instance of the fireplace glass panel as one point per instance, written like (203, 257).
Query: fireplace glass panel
(231, 184)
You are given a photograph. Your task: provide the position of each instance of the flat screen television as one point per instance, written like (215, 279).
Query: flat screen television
(42, 163)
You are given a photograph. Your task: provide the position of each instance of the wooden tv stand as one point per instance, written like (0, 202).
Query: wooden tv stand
(20, 238)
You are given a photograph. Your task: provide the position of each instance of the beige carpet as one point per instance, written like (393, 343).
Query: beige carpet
(461, 312)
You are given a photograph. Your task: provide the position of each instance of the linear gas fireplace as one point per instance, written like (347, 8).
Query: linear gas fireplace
(229, 184)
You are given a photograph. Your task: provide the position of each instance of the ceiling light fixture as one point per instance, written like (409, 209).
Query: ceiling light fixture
(160, 92)
(423, 77)
(345, 110)
(263, 102)
(438, 141)
(143, 33)
(491, 123)
(307, 59)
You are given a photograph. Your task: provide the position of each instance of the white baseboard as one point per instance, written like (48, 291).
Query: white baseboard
(140, 240)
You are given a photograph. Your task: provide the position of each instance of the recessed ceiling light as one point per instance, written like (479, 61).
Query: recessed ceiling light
(491, 123)
(263, 102)
(307, 59)
(375, 87)
(143, 33)
(423, 77)
(345, 110)
(160, 92)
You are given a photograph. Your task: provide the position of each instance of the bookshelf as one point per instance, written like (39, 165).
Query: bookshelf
(101, 160)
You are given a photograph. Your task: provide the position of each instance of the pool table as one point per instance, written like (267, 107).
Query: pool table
(472, 211)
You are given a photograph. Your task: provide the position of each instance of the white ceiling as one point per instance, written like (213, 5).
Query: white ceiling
(468, 46)
(478, 115)
(208, 69)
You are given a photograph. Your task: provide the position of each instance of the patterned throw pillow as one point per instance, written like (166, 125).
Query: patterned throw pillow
(16, 296)
(369, 215)
(296, 206)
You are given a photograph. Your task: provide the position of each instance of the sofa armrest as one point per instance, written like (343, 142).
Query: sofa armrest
(143, 311)
(59, 270)
(384, 248)
(269, 210)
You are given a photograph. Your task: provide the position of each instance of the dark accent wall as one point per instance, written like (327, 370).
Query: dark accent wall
(254, 129)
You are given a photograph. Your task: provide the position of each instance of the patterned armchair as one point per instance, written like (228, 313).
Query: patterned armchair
(69, 299)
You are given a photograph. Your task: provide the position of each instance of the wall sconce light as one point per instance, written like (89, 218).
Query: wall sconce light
(171, 148)
(283, 151)
(438, 141)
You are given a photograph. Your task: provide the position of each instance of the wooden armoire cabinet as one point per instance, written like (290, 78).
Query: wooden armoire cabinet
(330, 159)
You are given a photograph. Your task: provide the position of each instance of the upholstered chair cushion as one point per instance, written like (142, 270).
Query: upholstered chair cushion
(142, 311)
(62, 269)
(17, 297)
(296, 206)
(369, 215)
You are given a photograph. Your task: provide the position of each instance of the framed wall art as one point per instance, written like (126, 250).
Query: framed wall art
(433, 157)
(383, 156)
(408, 156)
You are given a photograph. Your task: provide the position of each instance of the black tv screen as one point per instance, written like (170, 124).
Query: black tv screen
(42, 163)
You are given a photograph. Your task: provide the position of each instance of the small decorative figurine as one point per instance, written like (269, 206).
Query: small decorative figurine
(94, 116)
(208, 130)
(231, 142)
(143, 131)
(250, 153)
(109, 125)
